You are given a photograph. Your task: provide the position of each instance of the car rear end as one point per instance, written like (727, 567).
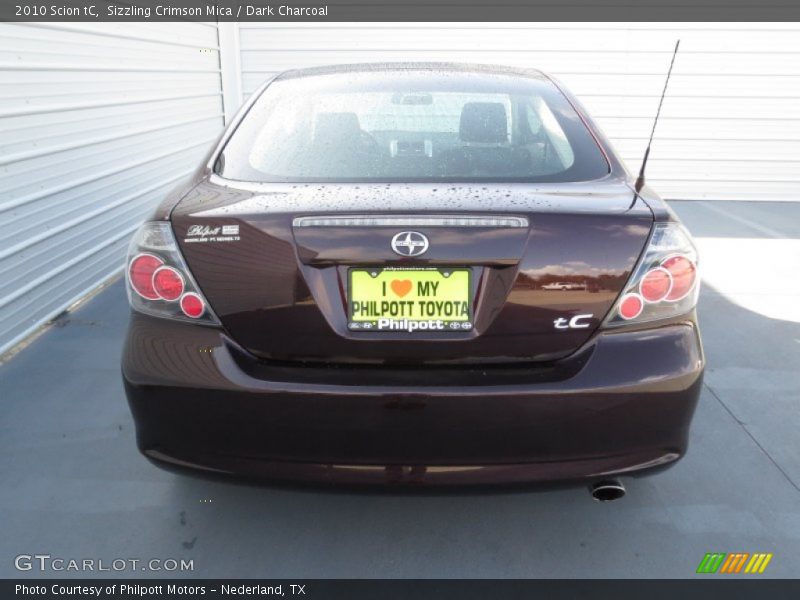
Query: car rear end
(380, 327)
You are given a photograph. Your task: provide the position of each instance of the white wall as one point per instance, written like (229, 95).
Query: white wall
(97, 123)
(730, 127)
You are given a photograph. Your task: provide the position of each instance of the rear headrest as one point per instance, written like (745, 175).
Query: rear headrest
(483, 122)
(336, 127)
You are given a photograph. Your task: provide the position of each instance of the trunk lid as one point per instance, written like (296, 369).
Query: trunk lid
(274, 260)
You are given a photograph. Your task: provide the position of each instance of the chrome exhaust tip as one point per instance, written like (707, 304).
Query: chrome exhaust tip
(608, 490)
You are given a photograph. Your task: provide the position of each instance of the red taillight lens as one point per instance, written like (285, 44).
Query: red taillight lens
(665, 282)
(140, 274)
(684, 273)
(160, 283)
(192, 305)
(168, 283)
(656, 285)
(631, 306)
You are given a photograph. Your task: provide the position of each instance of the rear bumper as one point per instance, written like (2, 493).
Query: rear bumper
(621, 405)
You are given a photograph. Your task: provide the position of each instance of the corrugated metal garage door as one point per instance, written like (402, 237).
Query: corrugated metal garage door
(730, 127)
(97, 123)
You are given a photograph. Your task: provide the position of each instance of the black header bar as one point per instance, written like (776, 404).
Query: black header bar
(398, 10)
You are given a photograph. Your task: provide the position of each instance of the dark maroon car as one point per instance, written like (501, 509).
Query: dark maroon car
(413, 273)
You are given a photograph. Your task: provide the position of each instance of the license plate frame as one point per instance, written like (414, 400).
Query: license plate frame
(452, 311)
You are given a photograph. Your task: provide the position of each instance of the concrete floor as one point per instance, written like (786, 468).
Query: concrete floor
(73, 485)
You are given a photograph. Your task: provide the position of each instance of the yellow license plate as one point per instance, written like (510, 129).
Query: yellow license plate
(424, 299)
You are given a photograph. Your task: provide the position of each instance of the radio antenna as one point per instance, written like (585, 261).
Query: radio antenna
(640, 179)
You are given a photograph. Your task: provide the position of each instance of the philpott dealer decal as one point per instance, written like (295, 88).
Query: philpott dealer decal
(210, 233)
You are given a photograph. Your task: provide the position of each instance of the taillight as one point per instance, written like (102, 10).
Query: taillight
(664, 283)
(192, 305)
(656, 284)
(683, 272)
(168, 283)
(159, 281)
(631, 306)
(140, 275)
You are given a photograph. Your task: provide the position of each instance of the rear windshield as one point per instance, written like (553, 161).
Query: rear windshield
(389, 126)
